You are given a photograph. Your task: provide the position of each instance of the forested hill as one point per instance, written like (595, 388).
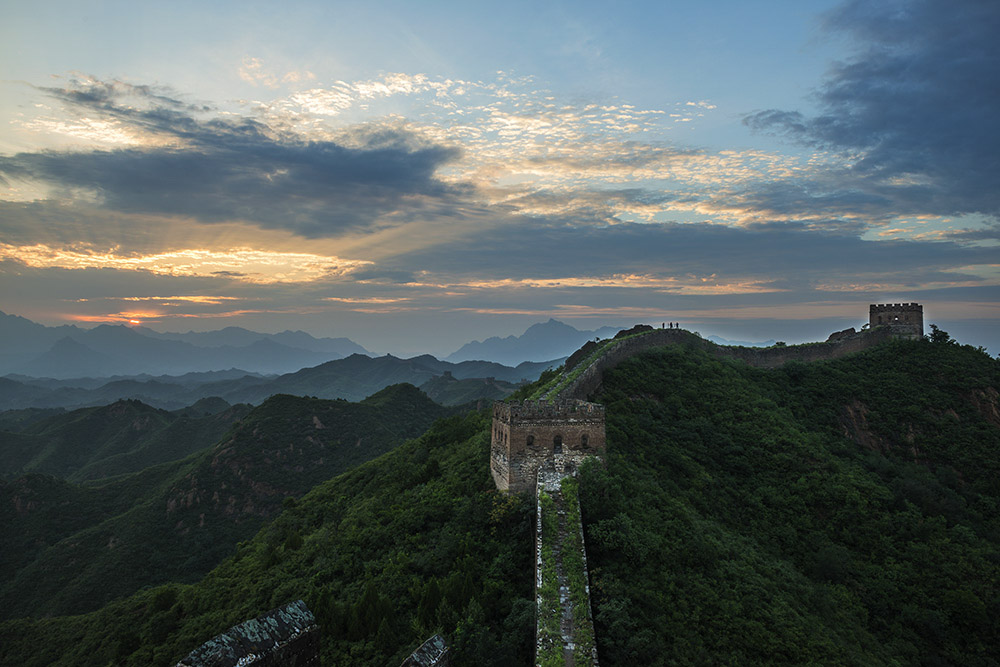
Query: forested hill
(123, 437)
(70, 549)
(841, 512)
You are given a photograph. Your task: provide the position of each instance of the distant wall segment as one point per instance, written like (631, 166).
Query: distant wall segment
(559, 433)
(589, 381)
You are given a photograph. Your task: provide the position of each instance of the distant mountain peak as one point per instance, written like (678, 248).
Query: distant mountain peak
(542, 341)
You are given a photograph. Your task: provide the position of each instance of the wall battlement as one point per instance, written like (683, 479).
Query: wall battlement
(542, 410)
(882, 307)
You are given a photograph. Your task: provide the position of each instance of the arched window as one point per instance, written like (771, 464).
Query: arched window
(583, 440)
(557, 445)
(531, 440)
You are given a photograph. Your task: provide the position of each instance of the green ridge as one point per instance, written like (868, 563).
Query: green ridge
(842, 512)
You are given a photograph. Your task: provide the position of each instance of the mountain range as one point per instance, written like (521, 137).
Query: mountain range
(352, 378)
(69, 548)
(31, 350)
(540, 342)
(68, 351)
(837, 512)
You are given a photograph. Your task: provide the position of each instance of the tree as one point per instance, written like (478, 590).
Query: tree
(939, 335)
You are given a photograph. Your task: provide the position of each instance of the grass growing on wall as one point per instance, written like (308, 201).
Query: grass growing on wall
(573, 566)
(549, 609)
(551, 390)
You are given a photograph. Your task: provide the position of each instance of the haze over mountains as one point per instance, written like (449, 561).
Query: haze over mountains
(352, 379)
(70, 367)
(104, 351)
(541, 342)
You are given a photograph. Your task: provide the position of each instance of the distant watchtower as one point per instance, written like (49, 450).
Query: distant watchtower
(904, 319)
(537, 435)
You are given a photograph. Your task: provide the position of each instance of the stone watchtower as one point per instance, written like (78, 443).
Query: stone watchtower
(537, 435)
(905, 320)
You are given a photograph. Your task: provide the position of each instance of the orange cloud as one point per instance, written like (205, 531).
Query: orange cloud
(240, 264)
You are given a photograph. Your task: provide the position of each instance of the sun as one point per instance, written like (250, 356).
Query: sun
(135, 321)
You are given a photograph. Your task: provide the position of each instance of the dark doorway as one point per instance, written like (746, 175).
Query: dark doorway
(557, 445)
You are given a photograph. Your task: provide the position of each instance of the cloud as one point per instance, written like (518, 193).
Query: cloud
(913, 112)
(254, 72)
(236, 168)
(680, 258)
(245, 264)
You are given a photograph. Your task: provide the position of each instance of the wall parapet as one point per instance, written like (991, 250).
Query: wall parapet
(542, 409)
(883, 307)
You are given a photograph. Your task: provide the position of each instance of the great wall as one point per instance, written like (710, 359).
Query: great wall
(536, 446)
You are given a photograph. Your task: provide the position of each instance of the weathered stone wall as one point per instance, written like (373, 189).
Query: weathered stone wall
(284, 637)
(432, 653)
(525, 435)
(529, 435)
(573, 625)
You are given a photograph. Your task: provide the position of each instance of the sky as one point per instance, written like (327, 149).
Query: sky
(417, 175)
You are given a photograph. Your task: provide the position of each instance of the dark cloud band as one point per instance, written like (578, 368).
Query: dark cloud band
(918, 103)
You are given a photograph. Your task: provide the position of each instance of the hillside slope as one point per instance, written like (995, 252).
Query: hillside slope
(839, 512)
(386, 554)
(176, 521)
(123, 437)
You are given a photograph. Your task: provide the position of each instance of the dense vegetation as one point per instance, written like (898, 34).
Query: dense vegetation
(842, 512)
(385, 555)
(70, 549)
(352, 378)
(123, 437)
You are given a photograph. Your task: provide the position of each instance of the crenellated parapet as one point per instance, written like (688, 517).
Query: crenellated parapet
(542, 410)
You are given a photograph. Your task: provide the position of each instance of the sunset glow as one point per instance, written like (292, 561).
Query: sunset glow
(442, 173)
